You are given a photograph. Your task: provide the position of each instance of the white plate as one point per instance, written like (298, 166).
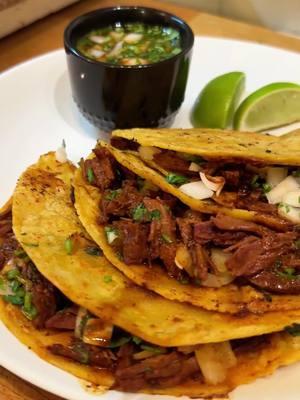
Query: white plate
(37, 113)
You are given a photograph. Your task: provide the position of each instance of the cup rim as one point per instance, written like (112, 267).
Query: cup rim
(76, 21)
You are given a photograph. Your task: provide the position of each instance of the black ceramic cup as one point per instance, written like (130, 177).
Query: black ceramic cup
(117, 96)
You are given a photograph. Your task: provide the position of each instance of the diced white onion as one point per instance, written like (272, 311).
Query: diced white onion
(97, 332)
(130, 61)
(292, 198)
(194, 167)
(183, 259)
(197, 190)
(111, 236)
(275, 175)
(132, 38)
(214, 359)
(226, 354)
(219, 259)
(61, 154)
(81, 315)
(289, 184)
(98, 39)
(116, 35)
(215, 281)
(96, 53)
(147, 152)
(116, 50)
(214, 183)
(289, 212)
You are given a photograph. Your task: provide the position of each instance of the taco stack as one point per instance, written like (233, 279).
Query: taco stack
(75, 289)
(212, 255)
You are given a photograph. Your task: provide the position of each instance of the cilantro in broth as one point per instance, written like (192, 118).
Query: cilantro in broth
(130, 44)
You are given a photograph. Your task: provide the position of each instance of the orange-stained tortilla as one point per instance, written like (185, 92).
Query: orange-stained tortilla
(228, 299)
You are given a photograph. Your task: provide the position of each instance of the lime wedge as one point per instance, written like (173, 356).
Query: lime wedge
(215, 105)
(271, 106)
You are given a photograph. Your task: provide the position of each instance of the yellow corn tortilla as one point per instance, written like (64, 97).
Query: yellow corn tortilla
(212, 144)
(44, 217)
(216, 143)
(38, 340)
(282, 349)
(229, 298)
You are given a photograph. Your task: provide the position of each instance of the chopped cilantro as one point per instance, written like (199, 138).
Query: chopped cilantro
(28, 309)
(266, 187)
(297, 244)
(152, 349)
(296, 173)
(192, 158)
(90, 175)
(69, 245)
(286, 206)
(140, 213)
(14, 299)
(175, 179)
(12, 274)
(287, 273)
(119, 342)
(254, 181)
(20, 253)
(155, 214)
(136, 340)
(15, 285)
(166, 238)
(107, 278)
(93, 251)
(293, 330)
(112, 194)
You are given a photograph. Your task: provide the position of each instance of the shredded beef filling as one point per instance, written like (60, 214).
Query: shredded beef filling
(85, 354)
(149, 226)
(164, 370)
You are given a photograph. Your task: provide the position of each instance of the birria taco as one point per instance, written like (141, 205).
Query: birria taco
(200, 252)
(64, 300)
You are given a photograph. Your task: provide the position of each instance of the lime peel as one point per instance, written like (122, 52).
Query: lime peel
(271, 106)
(216, 103)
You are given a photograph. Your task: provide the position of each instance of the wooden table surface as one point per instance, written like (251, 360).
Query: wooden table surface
(46, 35)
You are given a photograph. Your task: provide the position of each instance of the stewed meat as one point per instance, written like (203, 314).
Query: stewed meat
(134, 237)
(120, 202)
(227, 223)
(43, 295)
(85, 354)
(100, 170)
(63, 319)
(159, 371)
(272, 281)
(170, 161)
(206, 232)
(259, 254)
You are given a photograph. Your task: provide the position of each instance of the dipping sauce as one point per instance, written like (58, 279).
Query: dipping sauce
(130, 44)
